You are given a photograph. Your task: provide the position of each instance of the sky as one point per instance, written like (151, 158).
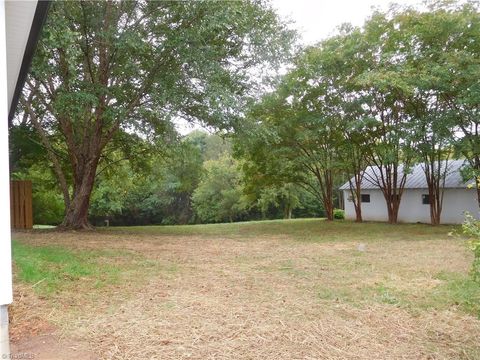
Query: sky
(317, 19)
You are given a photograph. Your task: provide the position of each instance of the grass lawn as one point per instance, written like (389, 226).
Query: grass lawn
(294, 289)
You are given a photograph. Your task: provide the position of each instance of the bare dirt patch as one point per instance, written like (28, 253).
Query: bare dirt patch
(49, 347)
(268, 298)
(33, 336)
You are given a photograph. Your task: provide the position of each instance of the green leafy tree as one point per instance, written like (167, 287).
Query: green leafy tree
(399, 91)
(424, 36)
(219, 196)
(181, 175)
(111, 189)
(286, 197)
(103, 69)
(211, 146)
(386, 95)
(300, 127)
(326, 77)
(446, 40)
(157, 191)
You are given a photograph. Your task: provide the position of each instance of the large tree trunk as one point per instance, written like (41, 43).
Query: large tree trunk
(329, 215)
(76, 215)
(392, 216)
(434, 215)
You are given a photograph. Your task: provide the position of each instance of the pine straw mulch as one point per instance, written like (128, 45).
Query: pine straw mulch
(259, 299)
(27, 316)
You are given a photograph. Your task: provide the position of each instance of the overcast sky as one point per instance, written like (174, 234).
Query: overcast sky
(316, 19)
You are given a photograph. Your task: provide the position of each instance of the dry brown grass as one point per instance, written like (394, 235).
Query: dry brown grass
(268, 297)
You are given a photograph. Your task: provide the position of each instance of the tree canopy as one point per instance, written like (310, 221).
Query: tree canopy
(104, 70)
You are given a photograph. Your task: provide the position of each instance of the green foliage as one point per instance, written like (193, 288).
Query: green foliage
(323, 120)
(180, 178)
(191, 57)
(339, 214)
(159, 192)
(48, 206)
(470, 173)
(211, 146)
(219, 196)
(25, 148)
(471, 228)
(286, 197)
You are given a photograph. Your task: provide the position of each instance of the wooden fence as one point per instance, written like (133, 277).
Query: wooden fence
(21, 215)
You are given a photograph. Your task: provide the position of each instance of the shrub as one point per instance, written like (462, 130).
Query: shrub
(471, 228)
(338, 214)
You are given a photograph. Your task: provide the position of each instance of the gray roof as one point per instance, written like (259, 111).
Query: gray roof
(416, 176)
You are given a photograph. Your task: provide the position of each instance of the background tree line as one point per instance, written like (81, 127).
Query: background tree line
(195, 180)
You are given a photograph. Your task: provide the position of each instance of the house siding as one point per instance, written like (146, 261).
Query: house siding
(455, 203)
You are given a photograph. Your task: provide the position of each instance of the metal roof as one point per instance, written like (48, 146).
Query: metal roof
(416, 176)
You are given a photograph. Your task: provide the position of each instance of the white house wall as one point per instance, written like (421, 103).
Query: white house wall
(455, 203)
(5, 243)
(375, 210)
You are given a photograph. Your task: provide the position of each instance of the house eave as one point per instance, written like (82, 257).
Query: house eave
(17, 76)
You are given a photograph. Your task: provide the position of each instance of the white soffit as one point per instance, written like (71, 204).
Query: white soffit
(18, 22)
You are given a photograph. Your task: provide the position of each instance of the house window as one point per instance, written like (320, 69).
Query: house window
(365, 198)
(425, 199)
